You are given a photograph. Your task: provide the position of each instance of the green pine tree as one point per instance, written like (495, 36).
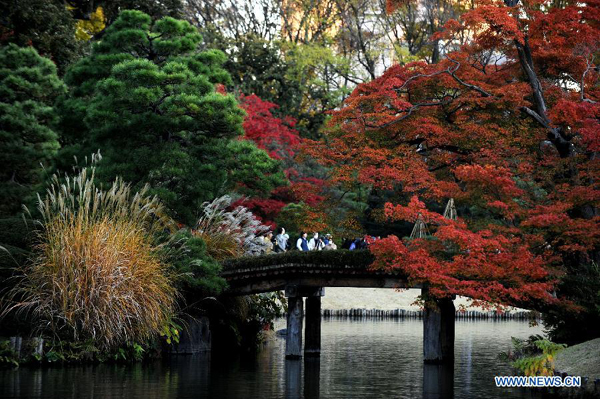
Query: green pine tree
(28, 86)
(146, 99)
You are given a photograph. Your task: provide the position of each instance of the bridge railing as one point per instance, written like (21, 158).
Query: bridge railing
(359, 259)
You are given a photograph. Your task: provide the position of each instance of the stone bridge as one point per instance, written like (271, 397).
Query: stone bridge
(306, 274)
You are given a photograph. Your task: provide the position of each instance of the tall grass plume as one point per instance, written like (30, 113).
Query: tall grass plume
(97, 271)
(230, 233)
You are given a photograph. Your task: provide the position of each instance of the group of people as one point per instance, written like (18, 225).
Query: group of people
(316, 243)
(281, 242)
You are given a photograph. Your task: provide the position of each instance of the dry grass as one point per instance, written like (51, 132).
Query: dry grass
(220, 246)
(97, 272)
(230, 233)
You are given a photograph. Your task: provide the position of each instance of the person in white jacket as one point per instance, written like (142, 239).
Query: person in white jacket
(281, 240)
(302, 243)
(315, 243)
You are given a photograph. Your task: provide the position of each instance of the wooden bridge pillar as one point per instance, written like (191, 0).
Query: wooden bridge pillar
(438, 331)
(293, 343)
(312, 331)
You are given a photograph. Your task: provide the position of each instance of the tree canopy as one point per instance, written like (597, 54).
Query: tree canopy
(146, 99)
(508, 126)
(47, 25)
(28, 87)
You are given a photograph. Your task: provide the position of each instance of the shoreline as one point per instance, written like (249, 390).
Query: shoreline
(346, 299)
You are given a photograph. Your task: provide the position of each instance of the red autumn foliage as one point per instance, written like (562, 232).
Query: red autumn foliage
(279, 138)
(265, 209)
(275, 135)
(508, 125)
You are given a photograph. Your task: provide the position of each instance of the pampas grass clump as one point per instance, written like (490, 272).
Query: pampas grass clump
(97, 272)
(230, 233)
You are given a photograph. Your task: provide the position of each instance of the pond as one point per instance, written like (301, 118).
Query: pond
(360, 359)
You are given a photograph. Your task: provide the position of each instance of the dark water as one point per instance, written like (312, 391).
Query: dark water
(360, 359)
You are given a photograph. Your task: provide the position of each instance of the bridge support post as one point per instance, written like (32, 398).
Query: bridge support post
(293, 343)
(312, 346)
(438, 330)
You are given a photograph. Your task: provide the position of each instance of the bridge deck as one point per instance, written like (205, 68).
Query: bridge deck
(339, 268)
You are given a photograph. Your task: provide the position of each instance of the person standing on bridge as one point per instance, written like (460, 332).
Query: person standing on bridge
(268, 243)
(329, 244)
(302, 243)
(315, 243)
(281, 240)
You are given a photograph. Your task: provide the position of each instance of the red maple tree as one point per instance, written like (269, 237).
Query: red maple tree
(273, 134)
(281, 140)
(507, 124)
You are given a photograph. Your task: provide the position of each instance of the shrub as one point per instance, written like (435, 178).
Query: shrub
(534, 356)
(358, 259)
(198, 272)
(97, 271)
(541, 364)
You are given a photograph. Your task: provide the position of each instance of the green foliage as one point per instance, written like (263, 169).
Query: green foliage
(199, 273)
(293, 216)
(262, 309)
(171, 332)
(15, 249)
(542, 364)
(46, 25)
(308, 64)
(8, 357)
(533, 356)
(88, 352)
(303, 80)
(73, 352)
(28, 86)
(257, 66)
(15, 237)
(253, 167)
(81, 9)
(266, 307)
(521, 348)
(146, 98)
(359, 259)
(133, 352)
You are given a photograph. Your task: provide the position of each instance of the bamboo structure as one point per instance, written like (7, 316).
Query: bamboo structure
(450, 211)
(420, 229)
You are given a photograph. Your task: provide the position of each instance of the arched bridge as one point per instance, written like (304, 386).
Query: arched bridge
(309, 270)
(305, 274)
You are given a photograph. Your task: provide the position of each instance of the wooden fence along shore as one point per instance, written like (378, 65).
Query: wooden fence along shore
(418, 314)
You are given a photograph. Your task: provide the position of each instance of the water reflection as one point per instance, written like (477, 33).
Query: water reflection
(293, 380)
(359, 359)
(312, 377)
(438, 381)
